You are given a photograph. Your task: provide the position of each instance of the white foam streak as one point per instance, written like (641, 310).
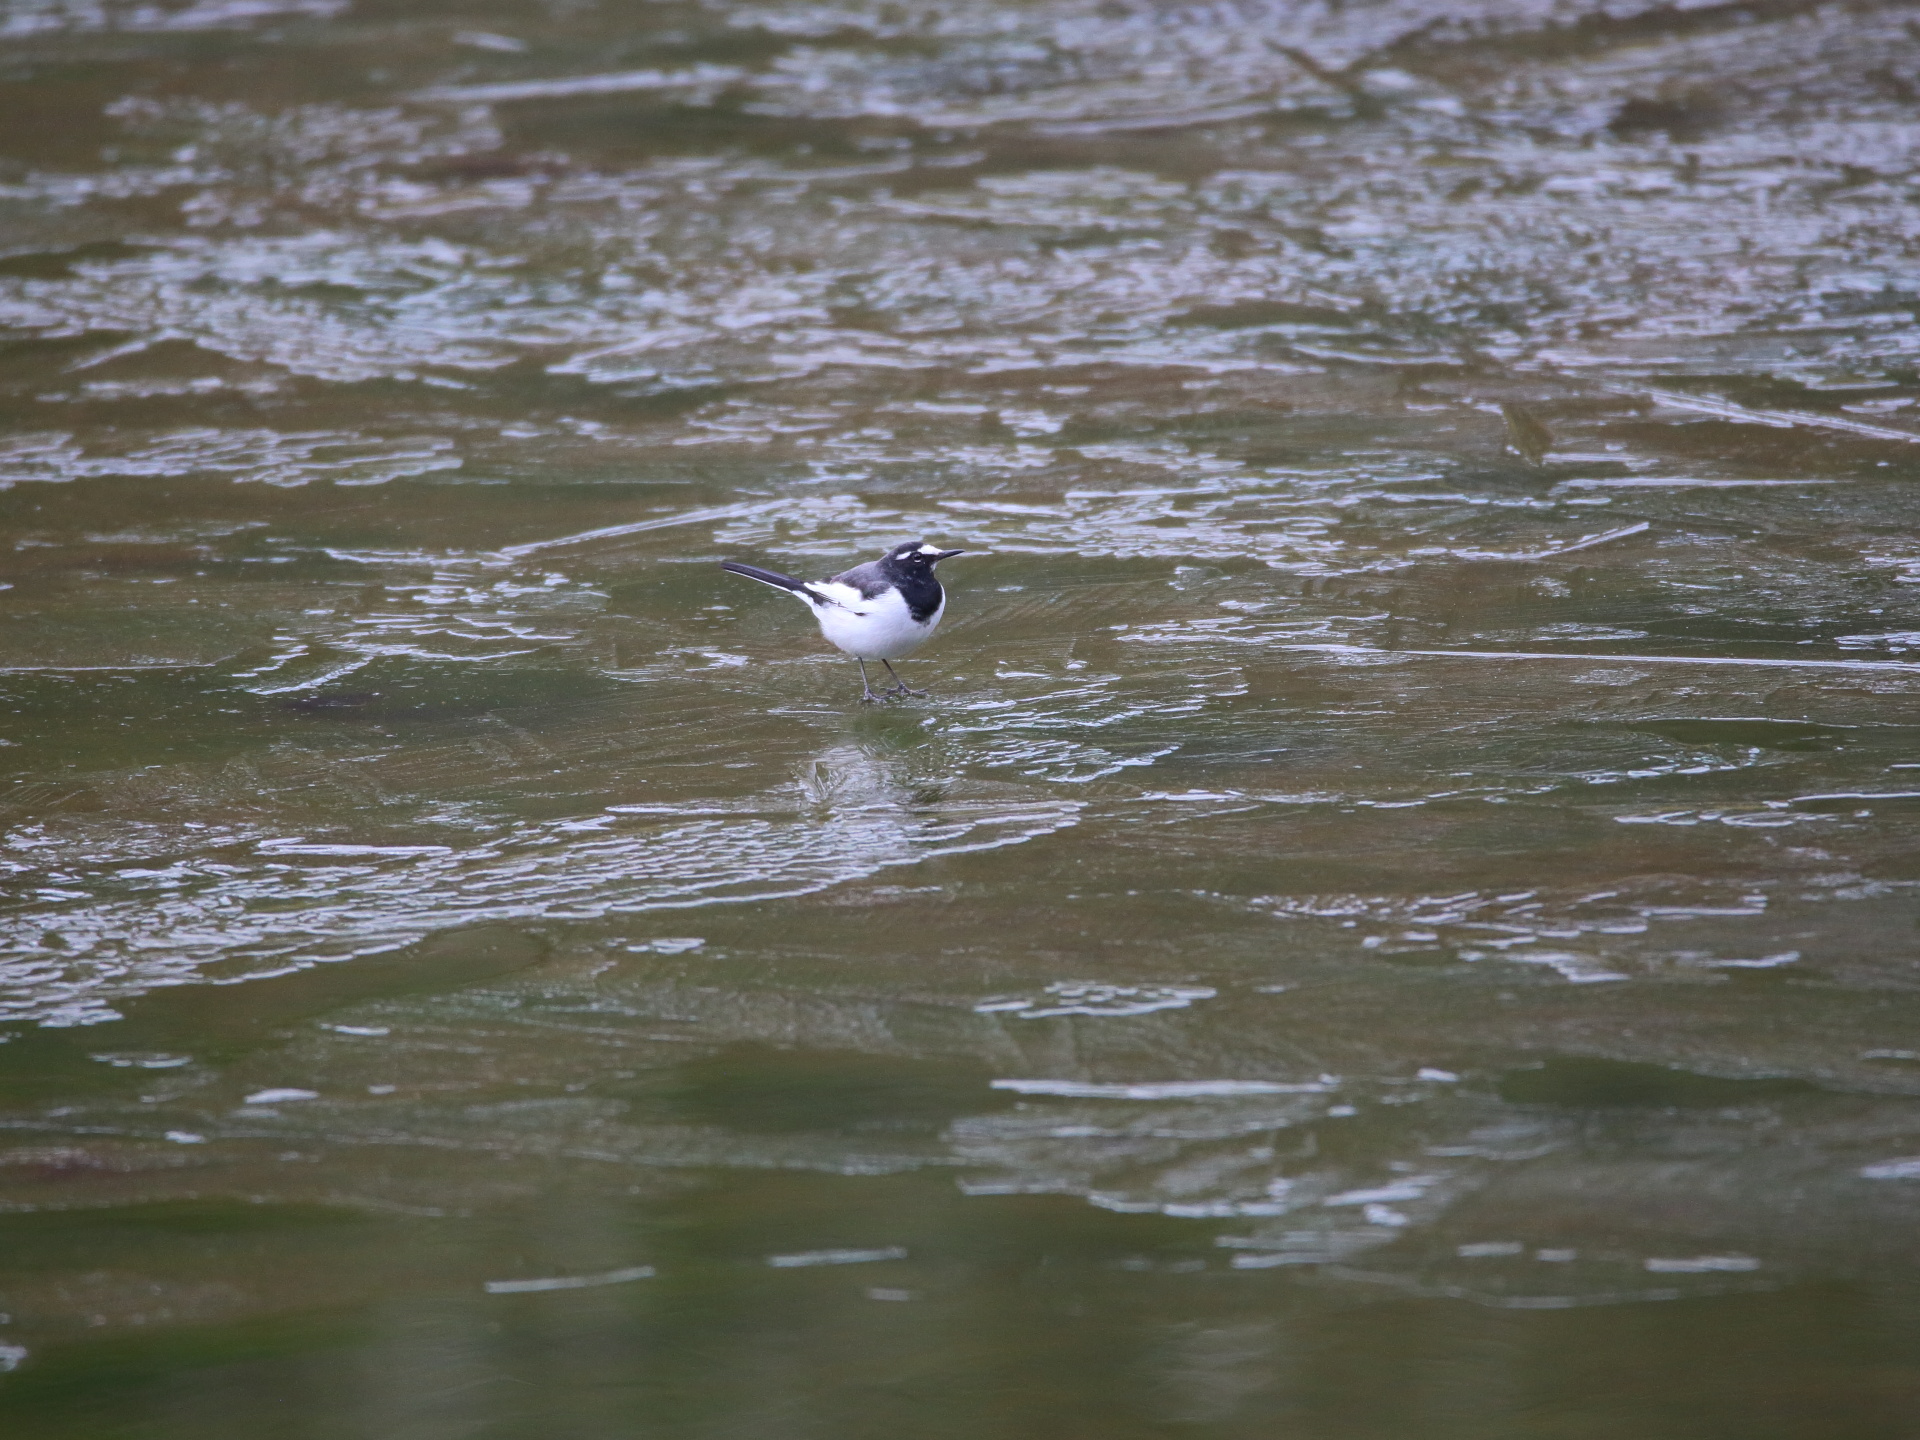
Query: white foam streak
(1777, 419)
(638, 527)
(1158, 1089)
(570, 1282)
(809, 1258)
(623, 82)
(1894, 666)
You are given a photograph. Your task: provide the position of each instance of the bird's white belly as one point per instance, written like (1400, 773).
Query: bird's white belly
(876, 629)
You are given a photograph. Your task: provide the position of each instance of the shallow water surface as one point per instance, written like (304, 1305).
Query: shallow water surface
(1396, 918)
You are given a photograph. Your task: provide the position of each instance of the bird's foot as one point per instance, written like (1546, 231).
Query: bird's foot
(900, 687)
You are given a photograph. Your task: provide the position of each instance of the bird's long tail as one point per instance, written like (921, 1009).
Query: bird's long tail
(775, 579)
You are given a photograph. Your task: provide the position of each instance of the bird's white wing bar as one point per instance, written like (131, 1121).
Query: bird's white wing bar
(832, 593)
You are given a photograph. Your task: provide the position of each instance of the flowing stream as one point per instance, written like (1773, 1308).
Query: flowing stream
(1397, 917)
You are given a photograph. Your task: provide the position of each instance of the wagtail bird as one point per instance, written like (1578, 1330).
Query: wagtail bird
(882, 610)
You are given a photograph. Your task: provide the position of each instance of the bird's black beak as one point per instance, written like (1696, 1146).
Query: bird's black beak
(947, 555)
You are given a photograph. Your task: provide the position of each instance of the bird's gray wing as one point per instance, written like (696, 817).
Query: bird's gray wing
(869, 579)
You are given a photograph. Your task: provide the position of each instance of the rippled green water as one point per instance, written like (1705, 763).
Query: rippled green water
(1397, 918)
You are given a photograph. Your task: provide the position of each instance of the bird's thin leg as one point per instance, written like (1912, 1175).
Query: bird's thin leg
(867, 697)
(900, 687)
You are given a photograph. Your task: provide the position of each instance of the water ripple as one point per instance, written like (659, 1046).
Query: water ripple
(296, 903)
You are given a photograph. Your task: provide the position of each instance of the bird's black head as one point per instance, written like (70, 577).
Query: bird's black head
(918, 559)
